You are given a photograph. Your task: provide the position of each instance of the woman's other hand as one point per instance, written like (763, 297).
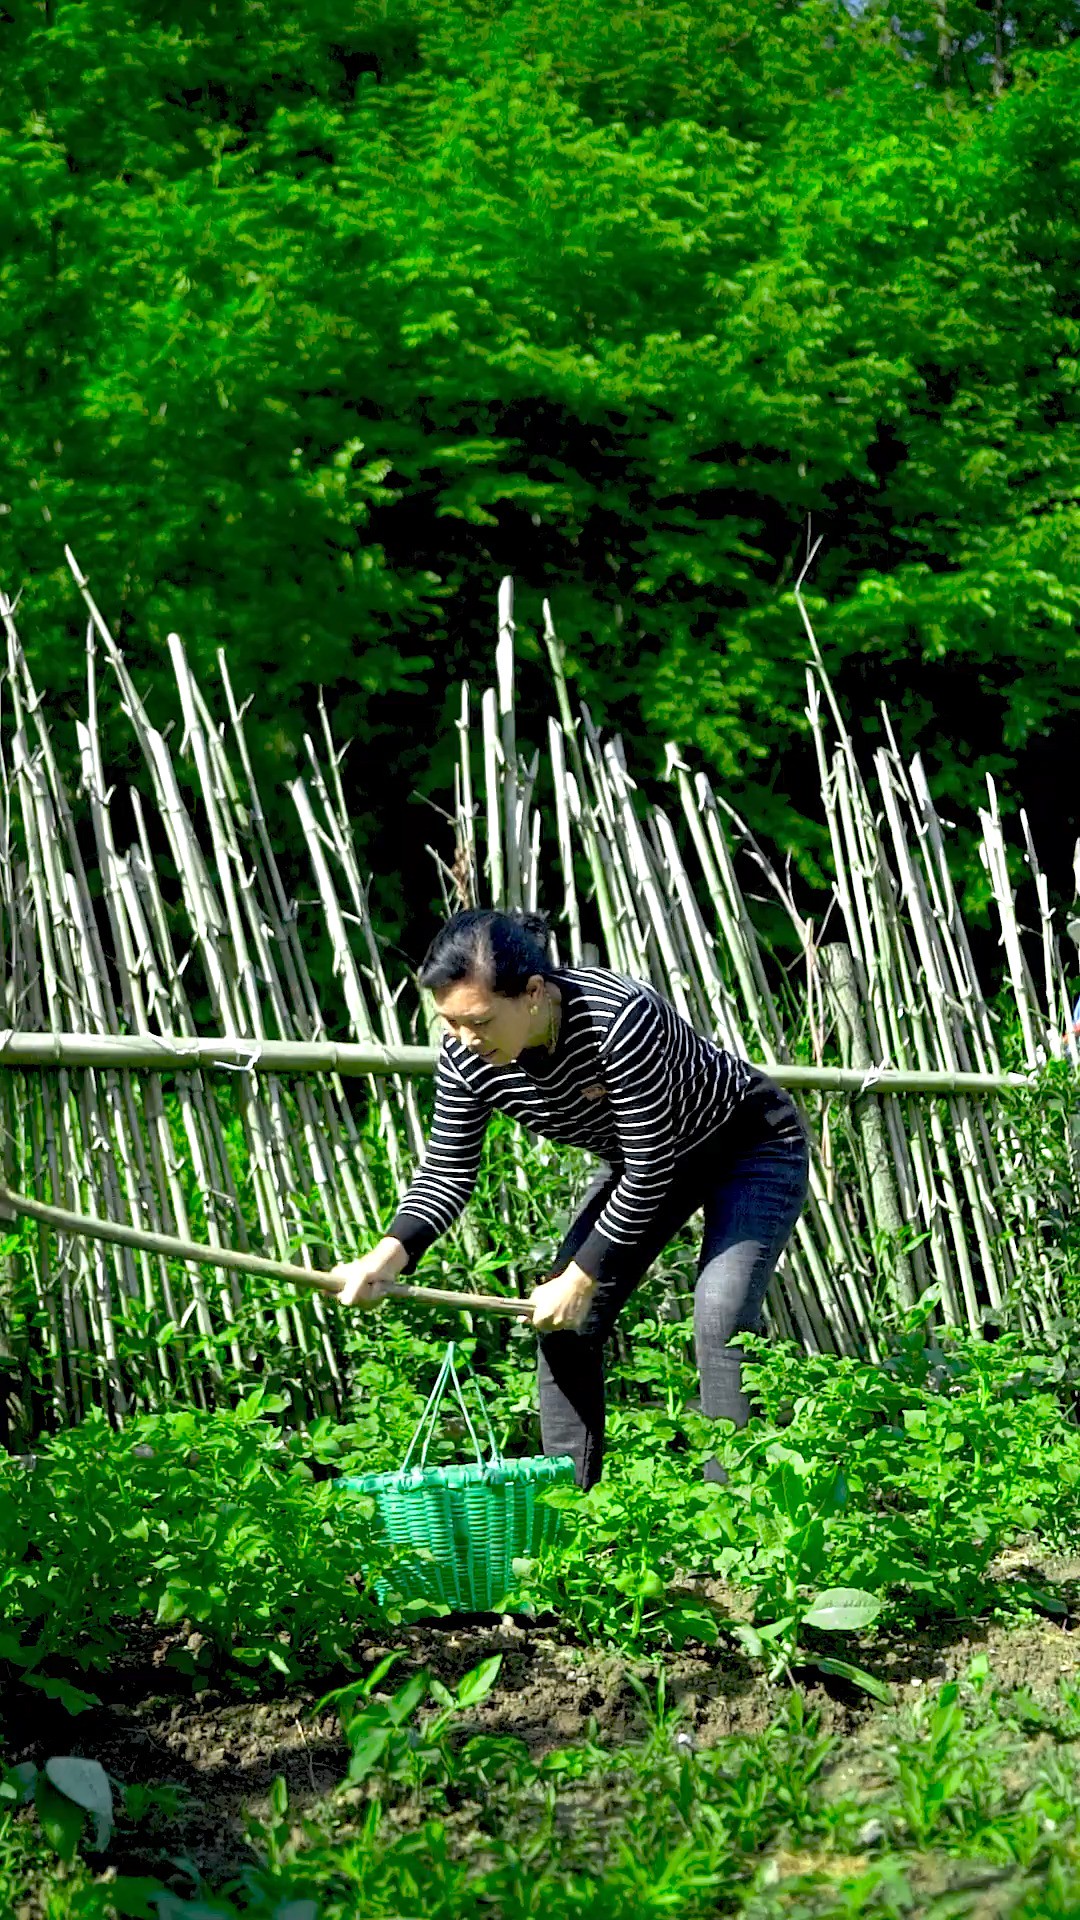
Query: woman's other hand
(364, 1281)
(563, 1302)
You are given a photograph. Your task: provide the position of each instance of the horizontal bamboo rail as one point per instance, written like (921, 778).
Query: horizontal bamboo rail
(858, 1081)
(239, 1055)
(61, 1221)
(192, 1054)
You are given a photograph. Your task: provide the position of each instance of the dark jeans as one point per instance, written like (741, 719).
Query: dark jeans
(750, 1206)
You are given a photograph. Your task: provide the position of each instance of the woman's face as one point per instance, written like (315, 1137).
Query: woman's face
(495, 1026)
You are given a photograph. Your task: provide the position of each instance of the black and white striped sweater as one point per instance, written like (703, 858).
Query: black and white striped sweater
(628, 1080)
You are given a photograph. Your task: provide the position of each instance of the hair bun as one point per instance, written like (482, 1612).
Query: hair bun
(532, 923)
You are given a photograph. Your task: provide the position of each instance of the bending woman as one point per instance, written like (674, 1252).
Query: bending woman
(590, 1059)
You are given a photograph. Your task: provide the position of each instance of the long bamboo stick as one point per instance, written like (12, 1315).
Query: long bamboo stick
(61, 1221)
(165, 1054)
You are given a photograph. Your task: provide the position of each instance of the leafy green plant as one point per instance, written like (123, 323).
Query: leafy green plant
(620, 1572)
(210, 1523)
(788, 1509)
(861, 1494)
(63, 1792)
(378, 1732)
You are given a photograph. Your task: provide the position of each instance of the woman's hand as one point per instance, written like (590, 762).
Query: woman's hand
(563, 1302)
(365, 1280)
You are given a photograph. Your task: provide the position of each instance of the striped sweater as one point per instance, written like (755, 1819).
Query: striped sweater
(628, 1080)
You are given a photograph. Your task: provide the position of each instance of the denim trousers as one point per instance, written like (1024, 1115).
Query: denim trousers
(750, 1205)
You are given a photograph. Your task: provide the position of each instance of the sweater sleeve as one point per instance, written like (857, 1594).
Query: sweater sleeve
(636, 1061)
(440, 1190)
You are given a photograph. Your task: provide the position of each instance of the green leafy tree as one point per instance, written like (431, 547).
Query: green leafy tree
(316, 319)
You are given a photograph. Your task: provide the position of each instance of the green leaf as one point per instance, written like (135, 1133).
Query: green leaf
(61, 1818)
(775, 1629)
(477, 1684)
(173, 1603)
(379, 1671)
(858, 1676)
(344, 1699)
(749, 1639)
(691, 1623)
(1038, 1597)
(17, 1783)
(74, 1699)
(842, 1610)
(419, 1610)
(87, 1784)
(407, 1699)
(12, 1649)
(368, 1748)
(561, 1498)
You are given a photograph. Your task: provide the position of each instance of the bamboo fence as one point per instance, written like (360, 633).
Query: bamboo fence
(122, 908)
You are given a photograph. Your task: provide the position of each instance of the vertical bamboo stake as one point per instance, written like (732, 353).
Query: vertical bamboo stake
(577, 788)
(571, 909)
(997, 867)
(466, 819)
(839, 972)
(508, 765)
(493, 755)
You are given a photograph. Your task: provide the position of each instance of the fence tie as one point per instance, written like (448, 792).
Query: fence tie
(241, 1066)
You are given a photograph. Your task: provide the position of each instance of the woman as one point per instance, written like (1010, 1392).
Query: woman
(591, 1059)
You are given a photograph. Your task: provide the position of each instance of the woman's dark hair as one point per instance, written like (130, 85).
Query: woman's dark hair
(502, 949)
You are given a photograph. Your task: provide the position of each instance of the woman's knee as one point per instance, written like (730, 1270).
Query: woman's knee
(730, 1291)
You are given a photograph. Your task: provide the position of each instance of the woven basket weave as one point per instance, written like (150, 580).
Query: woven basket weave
(474, 1520)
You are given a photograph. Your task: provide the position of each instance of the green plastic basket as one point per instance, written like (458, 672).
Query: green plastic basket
(472, 1520)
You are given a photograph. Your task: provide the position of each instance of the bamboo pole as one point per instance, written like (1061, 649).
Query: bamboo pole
(466, 864)
(510, 893)
(493, 761)
(576, 784)
(63, 1221)
(166, 1054)
(839, 971)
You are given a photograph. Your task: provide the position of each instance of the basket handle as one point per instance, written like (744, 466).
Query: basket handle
(426, 1424)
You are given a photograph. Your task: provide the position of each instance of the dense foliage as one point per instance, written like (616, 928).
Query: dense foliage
(316, 318)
